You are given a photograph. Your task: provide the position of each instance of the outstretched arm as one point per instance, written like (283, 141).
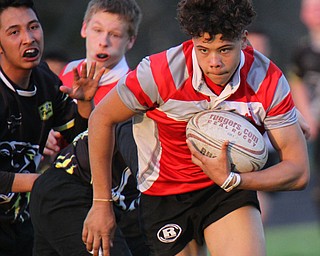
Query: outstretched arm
(100, 223)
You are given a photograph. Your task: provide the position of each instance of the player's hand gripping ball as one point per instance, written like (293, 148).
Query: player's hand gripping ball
(247, 149)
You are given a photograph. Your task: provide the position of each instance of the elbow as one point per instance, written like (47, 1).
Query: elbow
(301, 185)
(303, 181)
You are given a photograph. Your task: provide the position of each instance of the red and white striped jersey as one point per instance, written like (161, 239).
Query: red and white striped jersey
(107, 81)
(167, 89)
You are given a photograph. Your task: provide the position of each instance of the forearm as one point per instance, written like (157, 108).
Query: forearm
(23, 182)
(284, 176)
(85, 108)
(101, 144)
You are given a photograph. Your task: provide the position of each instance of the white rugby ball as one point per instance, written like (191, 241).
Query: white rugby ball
(247, 149)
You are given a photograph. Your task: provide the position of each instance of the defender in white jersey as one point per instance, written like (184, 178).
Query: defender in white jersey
(182, 202)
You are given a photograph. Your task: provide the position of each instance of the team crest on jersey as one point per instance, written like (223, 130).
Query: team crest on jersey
(169, 233)
(46, 111)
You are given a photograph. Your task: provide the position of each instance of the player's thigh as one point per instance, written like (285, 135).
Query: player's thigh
(238, 233)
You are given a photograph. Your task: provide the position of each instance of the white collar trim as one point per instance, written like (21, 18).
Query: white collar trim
(19, 92)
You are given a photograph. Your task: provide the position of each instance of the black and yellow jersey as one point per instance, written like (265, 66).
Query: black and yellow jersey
(74, 159)
(26, 117)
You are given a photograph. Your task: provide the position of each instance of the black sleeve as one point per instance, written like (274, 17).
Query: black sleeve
(126, 145)
(6, 181)
(80, 125)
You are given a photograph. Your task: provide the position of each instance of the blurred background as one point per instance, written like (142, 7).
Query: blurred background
(159, 29)
(292, 227)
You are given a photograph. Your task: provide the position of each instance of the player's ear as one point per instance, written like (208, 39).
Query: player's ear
(131, 42)
(244, 39)
(83, 31)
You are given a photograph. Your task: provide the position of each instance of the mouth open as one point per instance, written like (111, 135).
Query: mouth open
(102, 56)
(31, 53)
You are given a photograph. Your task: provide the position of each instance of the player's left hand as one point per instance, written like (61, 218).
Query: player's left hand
(217, 168)
(85, 84)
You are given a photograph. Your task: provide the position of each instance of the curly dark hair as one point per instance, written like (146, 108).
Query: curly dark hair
(226, 17)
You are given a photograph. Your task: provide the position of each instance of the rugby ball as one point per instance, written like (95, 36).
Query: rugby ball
(247, 149)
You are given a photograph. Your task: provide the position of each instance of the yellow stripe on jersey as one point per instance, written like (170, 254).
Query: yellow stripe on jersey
(66, 126)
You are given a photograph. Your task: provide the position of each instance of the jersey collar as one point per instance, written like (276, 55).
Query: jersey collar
(24, 93)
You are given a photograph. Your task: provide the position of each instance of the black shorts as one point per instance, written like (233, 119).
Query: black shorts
(58, 206)
(171, 222)
(16, 238)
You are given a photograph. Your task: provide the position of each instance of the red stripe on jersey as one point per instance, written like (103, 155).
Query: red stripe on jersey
(102, 91)
(285, 106)
(133, 84)
(269, 85)
(67, 79)
(162, 75)
(265, 93)
(165, 76)
(249, 49)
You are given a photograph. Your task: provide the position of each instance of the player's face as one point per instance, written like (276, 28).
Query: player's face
(217, 58)
(107, 39)
(21, 40)
(310, 13)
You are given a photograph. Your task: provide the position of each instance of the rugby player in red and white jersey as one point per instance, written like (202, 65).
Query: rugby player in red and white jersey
(187, 198)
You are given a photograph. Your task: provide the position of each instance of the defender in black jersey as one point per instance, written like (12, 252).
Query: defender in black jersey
(31, 103)
(62, 197)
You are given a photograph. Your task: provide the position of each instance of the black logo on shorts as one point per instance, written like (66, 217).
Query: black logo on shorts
(169, 233)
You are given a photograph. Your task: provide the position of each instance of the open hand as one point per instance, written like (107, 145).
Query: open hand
(85, 84)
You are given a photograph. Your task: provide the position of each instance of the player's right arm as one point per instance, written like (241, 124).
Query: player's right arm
(100, 223)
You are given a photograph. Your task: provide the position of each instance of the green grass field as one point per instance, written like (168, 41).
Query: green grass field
(293, 240)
